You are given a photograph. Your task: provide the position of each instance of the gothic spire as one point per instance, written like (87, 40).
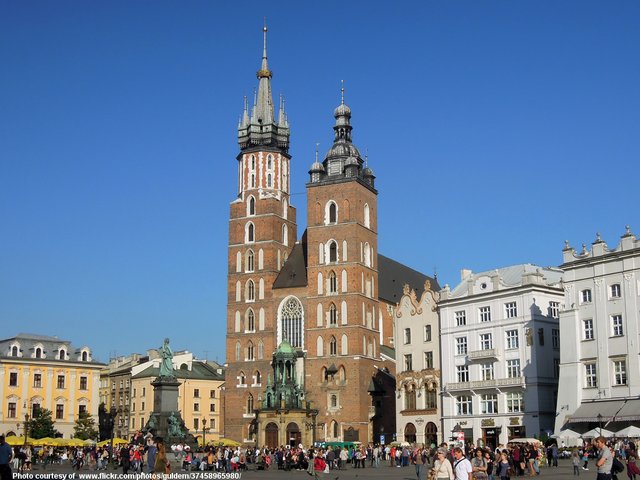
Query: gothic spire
(262, 127)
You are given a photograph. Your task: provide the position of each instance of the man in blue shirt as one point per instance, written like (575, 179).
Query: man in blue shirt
(6, 453)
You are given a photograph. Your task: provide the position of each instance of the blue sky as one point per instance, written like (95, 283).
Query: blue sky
(496, 129)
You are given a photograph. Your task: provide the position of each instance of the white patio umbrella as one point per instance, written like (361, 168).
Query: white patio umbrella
(568, 433)
(598, 432)
(631, 431)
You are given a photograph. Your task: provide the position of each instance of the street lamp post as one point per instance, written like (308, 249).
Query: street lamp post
(204, 432)
(600, 423)
(26, 423)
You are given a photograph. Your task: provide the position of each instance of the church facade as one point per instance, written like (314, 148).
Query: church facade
(329, 296)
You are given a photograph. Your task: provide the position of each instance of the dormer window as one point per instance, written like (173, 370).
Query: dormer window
(15, 351)
(62, 354)
(84, 356)
(38, 352)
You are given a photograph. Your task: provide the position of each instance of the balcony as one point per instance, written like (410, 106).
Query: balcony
(482, 354)
(482, 384)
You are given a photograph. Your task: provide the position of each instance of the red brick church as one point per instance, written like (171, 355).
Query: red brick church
(329, 295)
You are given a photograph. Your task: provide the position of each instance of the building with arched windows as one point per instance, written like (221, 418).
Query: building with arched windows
(330, 295)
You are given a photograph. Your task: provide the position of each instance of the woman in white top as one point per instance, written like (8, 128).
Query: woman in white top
(442, 466)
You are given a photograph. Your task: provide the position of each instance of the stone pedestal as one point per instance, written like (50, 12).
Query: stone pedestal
(166, 421)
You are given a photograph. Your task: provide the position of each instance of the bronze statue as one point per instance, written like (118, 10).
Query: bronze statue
(166, 366)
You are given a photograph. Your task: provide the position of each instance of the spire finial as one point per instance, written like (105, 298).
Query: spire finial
(366, 157)
(342, 90)
(264, 30)
(317, 147)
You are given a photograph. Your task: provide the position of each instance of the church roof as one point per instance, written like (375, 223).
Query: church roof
(294, 270)
(392, 276)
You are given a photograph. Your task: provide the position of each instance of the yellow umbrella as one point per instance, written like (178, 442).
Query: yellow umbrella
(17, 441)
(45, 441)
(74, 442)
(116, 441)
(227, 442)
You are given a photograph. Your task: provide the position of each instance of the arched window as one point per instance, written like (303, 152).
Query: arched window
(323, 374)
(269, 162)
(291, 322)
(333, 347)
(238, 262)
(249, 261)
(344, 345)
(237, 322)
(62, 354)
(367, 255)
(251, 291)
(258, 377)
(333, 252)
(242, 379)
(38, 352)
(251, 206)
(285, 208)
(332, 213)
(260, 350)
(367, 221)
(251, 321)
(320, 347)
(14, 351)
(260, 259)
(261, 289)
(333, 315)
(249, 233)
(344, 281)
(238, 291)
(333, 282)
(238, 349)
(253, 180)
(342, 374)
(334, 401)
(253, 162)
(334, 429)
(285, 235)
(319, 283)
(261, 319)
(268, 180)
(250, 356)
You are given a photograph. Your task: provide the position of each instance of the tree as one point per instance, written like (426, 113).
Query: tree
(85, 427)
(42, 425)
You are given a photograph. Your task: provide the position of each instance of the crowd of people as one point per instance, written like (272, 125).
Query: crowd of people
(150, 455)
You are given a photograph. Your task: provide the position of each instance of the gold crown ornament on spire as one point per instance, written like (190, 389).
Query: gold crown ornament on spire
(264, 71)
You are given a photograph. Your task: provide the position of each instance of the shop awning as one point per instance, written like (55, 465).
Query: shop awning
(588, 412)
(630, 411)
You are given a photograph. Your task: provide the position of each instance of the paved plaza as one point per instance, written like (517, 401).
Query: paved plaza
(564, 470)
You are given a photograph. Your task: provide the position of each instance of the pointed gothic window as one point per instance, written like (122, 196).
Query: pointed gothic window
(268, 180)
(333, 346)
(251, 291)
(367, 222)
(334, 401)
(291, 322)
(333, 213)
(250, 356)
(269, 162)
(260, 350)
(242, 379)
(333, 315)
(251, 321)
(367, 255)
(249, 261)
(333, 282)
(253, 180)
(237, 352)
(258, 377)
(334, 429)
(251, 206)
(333, 252)
(249, 233)
(285, 235)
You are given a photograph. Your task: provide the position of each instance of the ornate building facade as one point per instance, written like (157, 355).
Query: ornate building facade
(328, 295)
(417, 341)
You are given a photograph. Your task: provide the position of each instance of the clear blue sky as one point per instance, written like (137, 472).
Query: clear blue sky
(496, 129)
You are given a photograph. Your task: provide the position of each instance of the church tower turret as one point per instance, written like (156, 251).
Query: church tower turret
(262, 232)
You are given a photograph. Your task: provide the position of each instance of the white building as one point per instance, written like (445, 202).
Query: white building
(600, 366)
(416, 338)
(500, 344)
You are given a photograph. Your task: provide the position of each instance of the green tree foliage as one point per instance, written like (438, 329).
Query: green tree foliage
(42, 425)
(85, 427)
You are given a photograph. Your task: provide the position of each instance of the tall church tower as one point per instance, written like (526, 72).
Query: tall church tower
(343, 328)
(262, 232)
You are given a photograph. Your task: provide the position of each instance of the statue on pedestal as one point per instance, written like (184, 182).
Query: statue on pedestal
(166, 367)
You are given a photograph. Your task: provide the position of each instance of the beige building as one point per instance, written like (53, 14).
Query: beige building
(38, 371)
(199, 396)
